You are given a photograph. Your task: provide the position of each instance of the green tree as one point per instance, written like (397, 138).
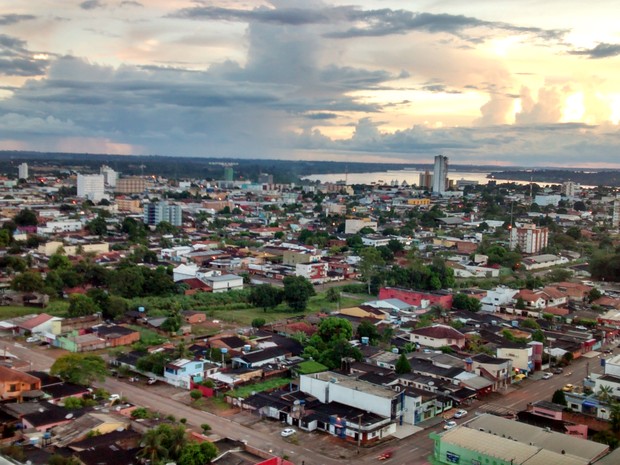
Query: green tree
(205, 427)
(97, 226)
(297, 292)
(559, 398)
(333, 294)
(529, 323)
(195, 394)
(198, 453)
(127, 282)
(172, 324)
(520, 305)
(465, 302)
(29, 281)
(402, 365)
(370, 263)
(594, 295)
(81, 305)
(335, 328)
(266, 296)
(258, 322)
(79, 369)
(26, 217)
(367, 329)
(152, 448)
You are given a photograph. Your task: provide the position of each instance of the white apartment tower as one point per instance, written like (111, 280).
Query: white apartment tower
(109, 176)
(570, 188)
(22, 171)
(90, 186)
(529, 238)
(615, 217)
(440, 175)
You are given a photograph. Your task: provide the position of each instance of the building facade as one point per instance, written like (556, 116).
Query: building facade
(530, 238)
(130, 185)
(155, 213)
(90, 186)
(22, 171)
(440, 175)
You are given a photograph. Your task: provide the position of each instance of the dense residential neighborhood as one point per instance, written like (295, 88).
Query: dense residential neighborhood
(364, 317)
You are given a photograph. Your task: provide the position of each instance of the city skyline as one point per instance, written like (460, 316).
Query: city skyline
(501, 84)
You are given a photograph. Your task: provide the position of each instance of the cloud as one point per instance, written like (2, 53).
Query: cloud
(321, 116)
(602, 50)
(130, 3)
(8, 19)
(368, 23)
(17, 60)
(547, 108)
(91, 4)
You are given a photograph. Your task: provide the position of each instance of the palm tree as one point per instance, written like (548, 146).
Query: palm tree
(176, 441)
(152, 448)
(605, 393)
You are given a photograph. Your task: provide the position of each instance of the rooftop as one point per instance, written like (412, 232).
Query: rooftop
(354, 384)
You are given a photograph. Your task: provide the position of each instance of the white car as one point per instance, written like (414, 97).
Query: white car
(449, 425)
(460, 414)
(114, 397)
(33, 339)
(286, 432)
(547, 375)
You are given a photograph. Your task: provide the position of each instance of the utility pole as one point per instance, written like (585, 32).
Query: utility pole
(359, 432)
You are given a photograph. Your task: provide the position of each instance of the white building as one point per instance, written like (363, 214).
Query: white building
(109, 175)
(90, 186)
(354, 225)
(544, 200)
(440, 175)
(570, 188)
(315, 272)
(496, 298)
(615, 218)
(223, 283)
(60, 226)
(22, 171)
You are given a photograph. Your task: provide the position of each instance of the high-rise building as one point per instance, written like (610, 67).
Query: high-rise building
(440, 175)
(109, 175)
(22, 171)
(130, 185)
(570, 188)
(90, 186)
(426, 180)
(264, 178)
(229, 173)
(155, 213)
(615, 217)
(529, 238)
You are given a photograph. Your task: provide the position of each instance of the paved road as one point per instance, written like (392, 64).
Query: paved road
(409, 451)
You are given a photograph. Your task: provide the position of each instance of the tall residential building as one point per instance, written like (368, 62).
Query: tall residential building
(426, 180)
(109, 175)
(440, 175)
(530, 238)
(22, 171)
(615, 217)
(90, 186)
(264, 178)
(570, 188)
(229, 173)
(130, 185)
(155, 213)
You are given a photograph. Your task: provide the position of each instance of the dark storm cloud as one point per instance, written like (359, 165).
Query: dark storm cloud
(369, 23)
(130, 3)
(602, 50)
(91, 4)
(8, 19)
(321, 116)
(17, 60)
(282, 16)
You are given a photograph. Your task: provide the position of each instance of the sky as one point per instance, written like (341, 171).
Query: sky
(502, 82)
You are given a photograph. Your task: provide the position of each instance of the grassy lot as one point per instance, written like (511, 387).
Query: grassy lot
(55, 308)
(147, 336)
(246, 391)
(318, 303)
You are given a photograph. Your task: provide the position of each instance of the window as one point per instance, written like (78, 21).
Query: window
(12, 387)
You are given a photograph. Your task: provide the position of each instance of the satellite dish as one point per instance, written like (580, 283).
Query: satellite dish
(69, 416)
(120, 429)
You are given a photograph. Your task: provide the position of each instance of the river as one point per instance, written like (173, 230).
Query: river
(410, 175)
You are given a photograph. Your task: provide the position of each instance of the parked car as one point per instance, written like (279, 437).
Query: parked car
(286, 432)
(460, 414)
(151, 381)
(547, 375)
(557, 371)
(33, 339)
(608, 351)
(449, 425)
